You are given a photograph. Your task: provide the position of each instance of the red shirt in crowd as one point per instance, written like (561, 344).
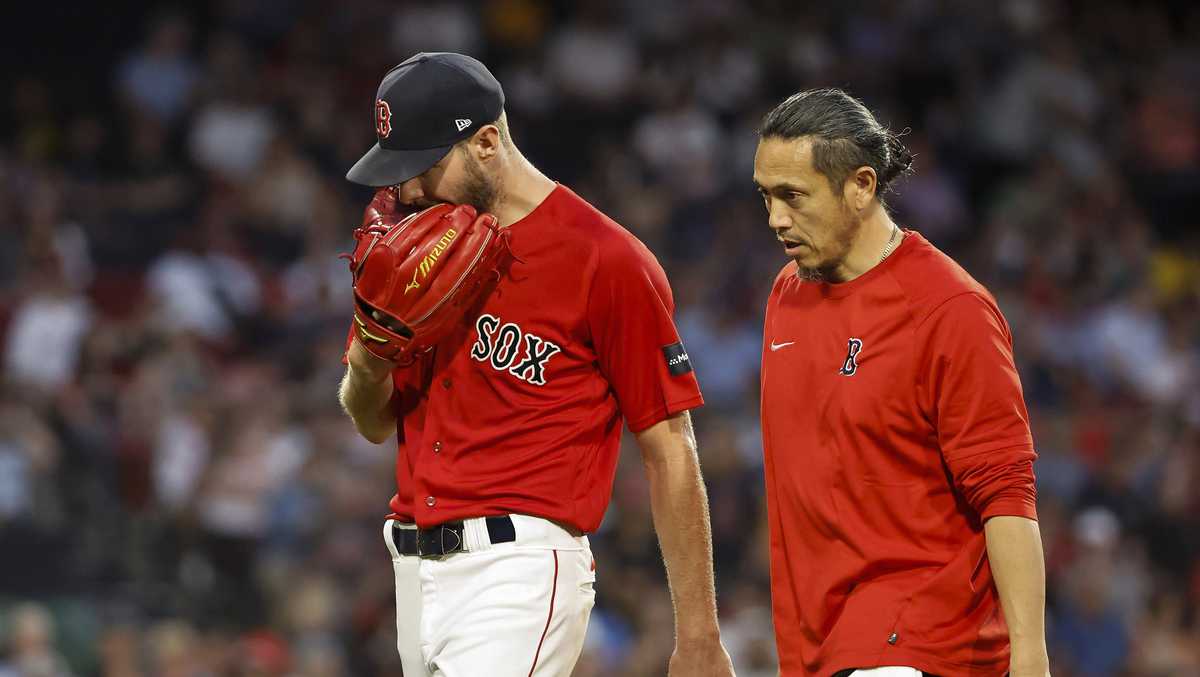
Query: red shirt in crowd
(520, 411)
(893, 426)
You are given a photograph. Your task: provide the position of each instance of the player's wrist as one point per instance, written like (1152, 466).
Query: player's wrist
(1029, 655)
(366, 376)
(366, 366)
(697, 633)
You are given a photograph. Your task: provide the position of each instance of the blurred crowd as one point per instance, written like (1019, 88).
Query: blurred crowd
(180, 495)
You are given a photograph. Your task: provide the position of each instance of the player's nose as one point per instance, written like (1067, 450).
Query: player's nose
(778, 221)
(777, 216)
(410, 192)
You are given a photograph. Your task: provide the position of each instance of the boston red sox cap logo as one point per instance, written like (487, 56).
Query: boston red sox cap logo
(383, 118)
(850, 366)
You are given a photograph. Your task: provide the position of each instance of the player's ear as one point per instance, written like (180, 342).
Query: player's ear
(485, 143)
(860, 187)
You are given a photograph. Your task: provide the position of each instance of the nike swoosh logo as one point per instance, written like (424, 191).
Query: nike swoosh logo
(776, 346)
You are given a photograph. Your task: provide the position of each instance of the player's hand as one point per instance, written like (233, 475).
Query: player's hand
(370, 366)
(700, 659)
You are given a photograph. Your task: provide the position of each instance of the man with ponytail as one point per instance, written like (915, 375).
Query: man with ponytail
(899, 462)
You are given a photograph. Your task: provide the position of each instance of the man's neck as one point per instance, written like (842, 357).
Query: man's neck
(867, 251)
(524, 188)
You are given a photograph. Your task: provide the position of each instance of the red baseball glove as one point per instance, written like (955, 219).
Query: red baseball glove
(414, 277)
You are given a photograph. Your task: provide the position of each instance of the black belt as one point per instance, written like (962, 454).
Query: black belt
(447, 539)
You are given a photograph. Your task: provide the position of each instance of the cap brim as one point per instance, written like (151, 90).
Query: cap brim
(383, 167)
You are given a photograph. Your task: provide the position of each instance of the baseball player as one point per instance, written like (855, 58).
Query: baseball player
(509, 416)
(900, 487)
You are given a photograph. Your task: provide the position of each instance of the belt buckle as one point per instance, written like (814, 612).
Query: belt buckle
(458, 541)
(443, 548)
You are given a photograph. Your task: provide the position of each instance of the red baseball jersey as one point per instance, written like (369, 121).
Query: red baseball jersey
(409, 383)
(520, 410)
(893, 426)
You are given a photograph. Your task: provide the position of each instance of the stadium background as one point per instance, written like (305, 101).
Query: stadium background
(179, 493)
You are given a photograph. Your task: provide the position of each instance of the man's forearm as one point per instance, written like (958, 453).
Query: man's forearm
(679, 505)
(1014, 546)
(366, 400)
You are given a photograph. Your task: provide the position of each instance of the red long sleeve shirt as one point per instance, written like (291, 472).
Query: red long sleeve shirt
(893, 427)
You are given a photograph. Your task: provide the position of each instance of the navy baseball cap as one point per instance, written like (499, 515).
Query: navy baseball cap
(424, 106)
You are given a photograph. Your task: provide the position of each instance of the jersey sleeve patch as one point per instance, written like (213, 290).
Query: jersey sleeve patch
(678, 363)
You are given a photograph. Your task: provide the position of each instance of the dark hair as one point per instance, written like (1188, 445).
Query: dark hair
(845, 136)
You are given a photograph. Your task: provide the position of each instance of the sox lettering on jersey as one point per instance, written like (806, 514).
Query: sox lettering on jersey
(498, 345)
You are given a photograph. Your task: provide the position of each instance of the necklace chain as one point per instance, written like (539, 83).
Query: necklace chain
(890, 244)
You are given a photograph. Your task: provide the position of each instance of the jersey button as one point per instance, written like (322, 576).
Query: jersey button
(446, 383)
(437, 447)
(430, 501)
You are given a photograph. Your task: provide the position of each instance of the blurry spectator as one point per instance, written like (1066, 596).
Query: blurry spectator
(435, 27)
(727, 73)
(593, 60)
(31, 651)
(1165, 644)
(1134, 343)
(515, 24)
(48, 326)
(285, 192)
(202, 289)
(173, 651)
(320, 659)
(930, 200)
(726, 351)
(36, 137)
(182, 452)
(1088, 637)
(261, 452)
(231, 132)
(32, 510)
(1089, 634)
(263, 654)
(120, 652)
(1047, 86)
(47, 330)
(683, 142)
(160, 77)
(230, 137)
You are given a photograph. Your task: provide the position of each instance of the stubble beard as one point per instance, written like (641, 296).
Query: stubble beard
(845, 233)
(479, 190)
(809, 274)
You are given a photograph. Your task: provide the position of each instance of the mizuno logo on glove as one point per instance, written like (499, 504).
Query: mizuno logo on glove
(431, 258)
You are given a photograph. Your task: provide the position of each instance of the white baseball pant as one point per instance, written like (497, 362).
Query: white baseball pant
(516, 609)
(408, 604)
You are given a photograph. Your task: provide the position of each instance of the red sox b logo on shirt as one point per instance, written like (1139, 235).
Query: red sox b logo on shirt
(850, 366)
(498, 345)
